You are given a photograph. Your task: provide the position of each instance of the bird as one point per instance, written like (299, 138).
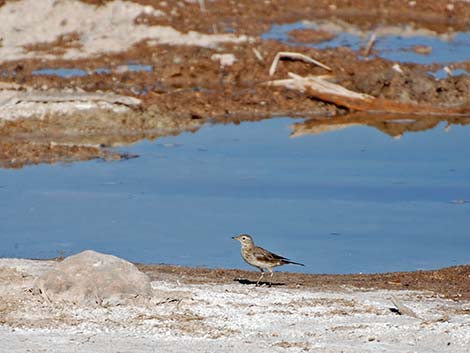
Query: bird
(259, 257)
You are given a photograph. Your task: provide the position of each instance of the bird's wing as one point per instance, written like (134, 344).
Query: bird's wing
(263, 254)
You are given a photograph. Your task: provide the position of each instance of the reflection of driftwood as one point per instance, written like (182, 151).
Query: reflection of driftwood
(330, 92)
(296, 56)
(403, 309)
(394, 125)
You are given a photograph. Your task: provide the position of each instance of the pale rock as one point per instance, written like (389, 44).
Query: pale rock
(92, 278)
(224, 59)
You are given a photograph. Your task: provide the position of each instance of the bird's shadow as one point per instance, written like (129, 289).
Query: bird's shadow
(262, 283)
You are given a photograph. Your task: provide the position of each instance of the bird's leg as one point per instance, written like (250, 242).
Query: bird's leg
(262, 275)
(272, 273)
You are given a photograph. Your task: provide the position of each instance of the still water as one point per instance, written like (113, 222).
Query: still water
(353, 200)
(395, 46)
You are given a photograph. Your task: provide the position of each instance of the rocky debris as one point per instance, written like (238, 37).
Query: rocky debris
(93, 278)
(16, 104)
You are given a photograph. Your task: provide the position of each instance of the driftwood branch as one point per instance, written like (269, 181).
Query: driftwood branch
(318, 87)
(294, 56)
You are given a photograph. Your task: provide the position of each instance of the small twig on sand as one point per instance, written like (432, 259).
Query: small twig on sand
(170, 300)
(258, 55)
(403, 309)
(202, 5)
(370, 44)
(294, 56)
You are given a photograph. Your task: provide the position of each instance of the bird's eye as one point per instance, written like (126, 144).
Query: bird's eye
(244, 238)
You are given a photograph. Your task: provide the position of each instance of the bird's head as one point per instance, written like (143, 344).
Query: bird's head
(244, 239)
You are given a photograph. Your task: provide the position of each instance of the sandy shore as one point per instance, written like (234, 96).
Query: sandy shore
(190, 314)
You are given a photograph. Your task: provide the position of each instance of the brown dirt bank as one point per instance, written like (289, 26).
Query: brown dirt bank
(188, 85)
(450, 282)
(83, 136)
(254, 17)
(188, 81)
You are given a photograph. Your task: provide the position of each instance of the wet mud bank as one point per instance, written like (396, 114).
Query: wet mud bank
(181, 71)
(451, 282)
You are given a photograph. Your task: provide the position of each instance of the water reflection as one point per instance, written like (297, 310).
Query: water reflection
(349, 201)
(395, 43)
(77, 72)
(67, 139)
(391, 124)
(82, 137)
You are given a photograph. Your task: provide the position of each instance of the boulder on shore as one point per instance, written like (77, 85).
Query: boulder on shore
(93, 278)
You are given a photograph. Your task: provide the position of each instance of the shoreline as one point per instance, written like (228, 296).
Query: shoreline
(449, 282)
(206, 310)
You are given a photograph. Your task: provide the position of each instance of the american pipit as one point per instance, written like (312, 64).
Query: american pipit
(259, 257)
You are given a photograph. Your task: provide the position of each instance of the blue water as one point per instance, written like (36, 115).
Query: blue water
(139, 68)
(441, 73)
(392, 47)
(102, 71)
(66, 73)
(353, 200)
(61, 72)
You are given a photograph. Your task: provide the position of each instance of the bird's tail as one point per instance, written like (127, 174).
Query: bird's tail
(294, 263)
